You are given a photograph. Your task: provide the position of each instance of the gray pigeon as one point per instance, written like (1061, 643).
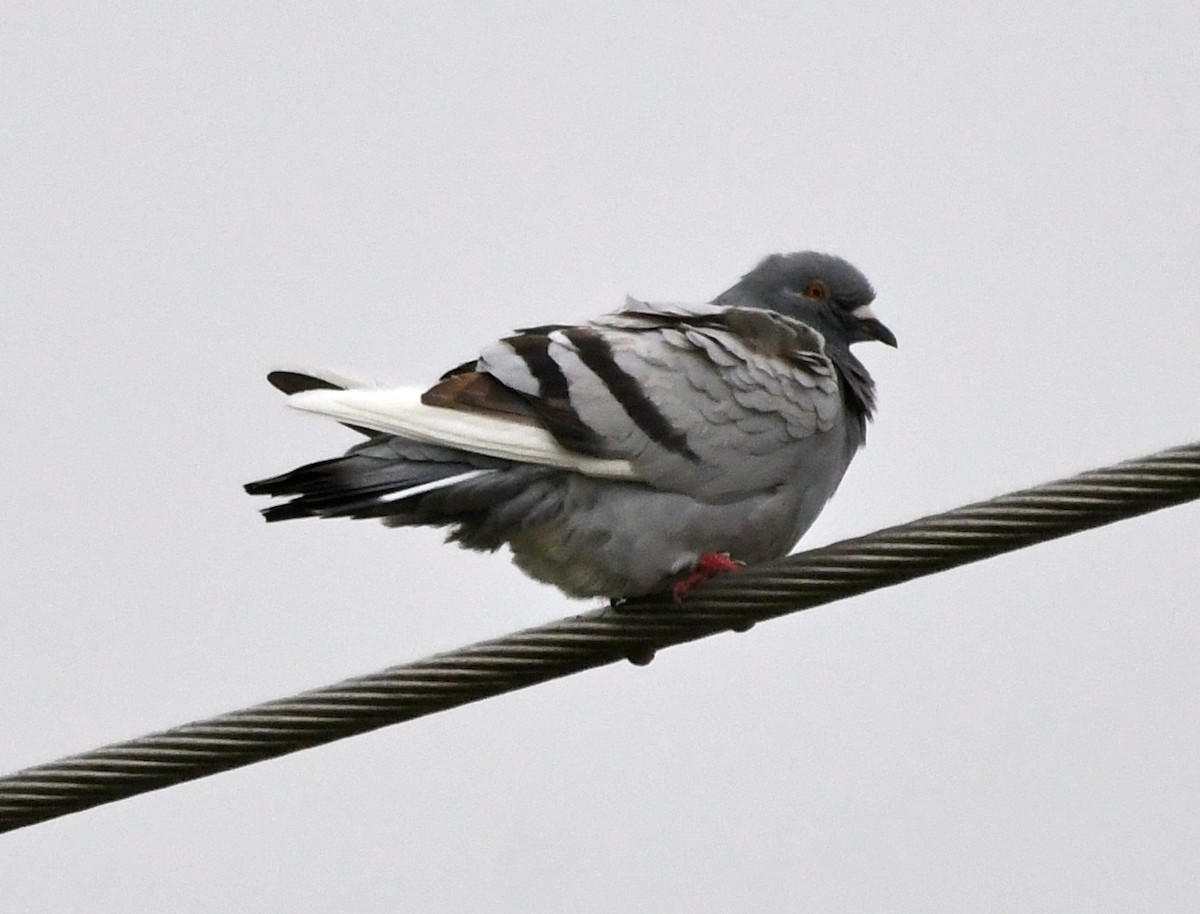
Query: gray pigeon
(642, 451)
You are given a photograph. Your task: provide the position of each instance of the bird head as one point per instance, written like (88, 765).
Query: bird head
(821, 290)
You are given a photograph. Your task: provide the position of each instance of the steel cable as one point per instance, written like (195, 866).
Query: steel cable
(632, 631)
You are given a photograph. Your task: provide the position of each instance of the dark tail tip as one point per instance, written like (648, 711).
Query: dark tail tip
(289, 511)
(264, 486)
(293, 382)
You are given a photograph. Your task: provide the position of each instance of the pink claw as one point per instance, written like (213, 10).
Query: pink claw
(708, 565)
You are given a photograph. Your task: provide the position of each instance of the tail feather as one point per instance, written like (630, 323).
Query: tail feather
(406, 482)
(386, 477)
(294, 382)
(361, 500)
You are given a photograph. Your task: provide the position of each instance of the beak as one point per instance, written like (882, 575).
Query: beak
(872, 328)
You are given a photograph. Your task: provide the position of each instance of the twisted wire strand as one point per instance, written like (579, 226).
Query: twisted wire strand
(632, 631)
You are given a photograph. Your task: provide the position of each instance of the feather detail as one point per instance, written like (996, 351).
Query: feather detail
(426, 487)
(474, 390)
(399, 411)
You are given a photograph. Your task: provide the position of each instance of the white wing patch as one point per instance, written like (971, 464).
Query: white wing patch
(399, 411)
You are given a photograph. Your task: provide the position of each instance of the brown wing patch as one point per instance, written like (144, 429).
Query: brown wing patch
(474, 390)
(460, 369)
(467, 389)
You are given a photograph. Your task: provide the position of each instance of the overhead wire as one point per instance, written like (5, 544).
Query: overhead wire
(633, 630)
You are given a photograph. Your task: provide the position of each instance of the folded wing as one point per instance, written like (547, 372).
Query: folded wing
(708, 400)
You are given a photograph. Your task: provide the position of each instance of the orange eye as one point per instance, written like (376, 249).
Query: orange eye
(817, 289)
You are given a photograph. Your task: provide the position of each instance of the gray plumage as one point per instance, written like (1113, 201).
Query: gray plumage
(610, 456)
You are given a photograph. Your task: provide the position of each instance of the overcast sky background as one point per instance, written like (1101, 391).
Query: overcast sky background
(192, 194)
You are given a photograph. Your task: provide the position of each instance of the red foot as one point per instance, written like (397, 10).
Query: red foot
(708, 565)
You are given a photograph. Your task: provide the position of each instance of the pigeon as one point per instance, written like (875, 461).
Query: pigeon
(640, 452)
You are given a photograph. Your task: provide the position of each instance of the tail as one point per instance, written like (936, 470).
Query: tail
(406, 481)
(386, 477)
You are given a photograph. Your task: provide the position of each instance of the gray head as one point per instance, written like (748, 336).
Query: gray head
(821, 290)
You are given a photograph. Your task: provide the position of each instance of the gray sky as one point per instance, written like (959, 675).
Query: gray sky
(192, 194)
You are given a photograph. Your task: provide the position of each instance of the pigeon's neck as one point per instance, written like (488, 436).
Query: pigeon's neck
(858, 387)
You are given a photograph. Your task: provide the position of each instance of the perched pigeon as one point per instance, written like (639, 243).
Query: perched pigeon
(645, 450)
